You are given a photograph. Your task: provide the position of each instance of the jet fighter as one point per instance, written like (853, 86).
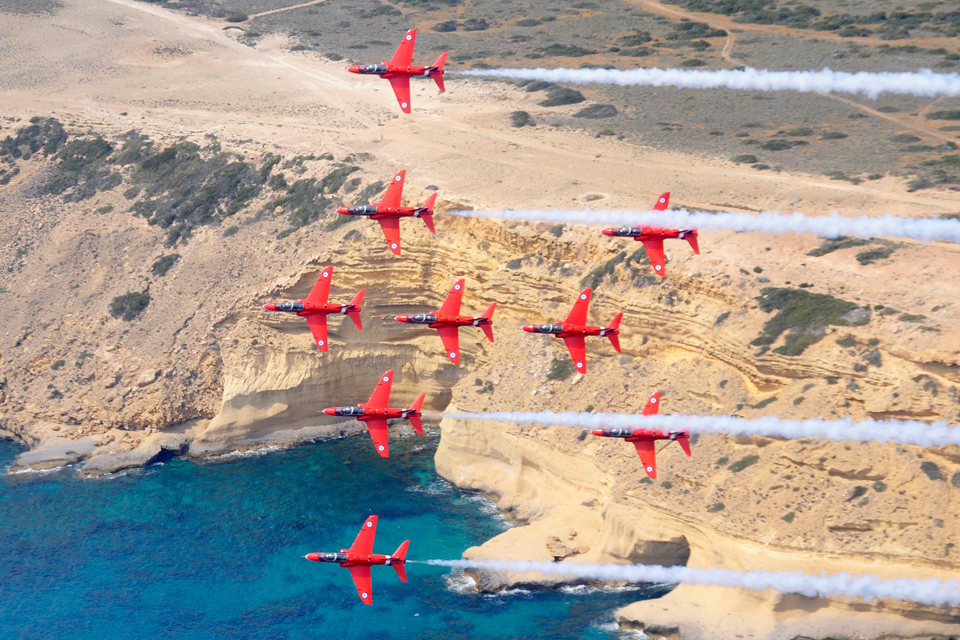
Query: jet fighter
(360, 557)
(575, 327)
(653, 237)
(645, 439)
(377, 411)
(315, 308)
(398, 70)
(447, 321)
(388, 211)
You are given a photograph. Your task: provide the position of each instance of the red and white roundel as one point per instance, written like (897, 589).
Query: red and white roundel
(386, 378)
(579, 365)
(409, 37)
(398, 178)
(662, 200)
(326, 274)
(583, 296)
(320, 343)
(453, 355)
(369, 524)
(653, 400)
(457, 286)
(650, 469)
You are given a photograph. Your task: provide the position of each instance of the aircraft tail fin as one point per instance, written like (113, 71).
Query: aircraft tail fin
(401, 555)
(415, 419)
(428, 212)
(488, 328)
(615, 337)
(694, 243)
(438, 74)
(354, 313)
(684, 441)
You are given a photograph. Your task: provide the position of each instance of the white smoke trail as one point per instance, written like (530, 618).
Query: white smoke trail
(920, 83)
(931, 591)
(827, 226)
(899, 431)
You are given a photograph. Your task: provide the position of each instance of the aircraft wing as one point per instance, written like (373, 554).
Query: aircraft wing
(391, 231)
(321, 291)
(404, 54)
(451, 342)
(578, 351)
(394, 191)
(451, 306)
(318, 327)
(380, 398)
(363, 545)
(655, 253)
(578, 315)
(378, 433)
(653, 404)
(361, 578)
(401, 88)
(648, 456)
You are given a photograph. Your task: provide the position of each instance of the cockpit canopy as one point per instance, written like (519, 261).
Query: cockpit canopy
(349, 411)
(333, 557)
(423, 317)
(628, 231)
(373, 68)
(362, 209)
(548, 328)
(618, 431)
(290, 306)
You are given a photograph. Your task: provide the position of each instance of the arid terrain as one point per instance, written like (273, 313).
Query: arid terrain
(164, 172)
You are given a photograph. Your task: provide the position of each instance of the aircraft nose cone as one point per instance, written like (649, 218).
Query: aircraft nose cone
(313, 557)
(528, 327)
(607, 232)
(400, 318)
(342, 210)
(354, 69)
(330, 411)
(270, 306)
(597, 432)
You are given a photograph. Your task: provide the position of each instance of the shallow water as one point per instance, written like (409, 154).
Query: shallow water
(202, 551)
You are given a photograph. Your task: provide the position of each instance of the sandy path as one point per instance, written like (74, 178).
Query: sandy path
(273, 11)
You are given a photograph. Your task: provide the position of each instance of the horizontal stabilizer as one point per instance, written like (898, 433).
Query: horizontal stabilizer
(354, 313)
(415, 419)
(488, 328)
(401, 555)
(438, 74)
(693, 243)
(684, 441)
(615, 337)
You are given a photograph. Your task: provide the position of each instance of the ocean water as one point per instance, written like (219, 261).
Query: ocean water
(215, 551)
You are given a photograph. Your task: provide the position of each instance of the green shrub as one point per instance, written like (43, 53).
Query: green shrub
(745, 159)
(872, 255)
(561, 369)
(446, 26)
(693, 62)
(514, 264)
(789, 517)
(82, 170)
(804, 315)
(237, 16)
(955, 479)
(58, 364)
(847, 342)
(164, 263)
(556, 231)
(763, 403)
(835, 244)
(130, 305)
(833, 135)
(722, 461)
(716, 506)
(879, 486)
(932, 470)
(744, 462)
(597, 112)
(566, 50)
(912, 317)
(559, 96)
(521, 119)
(951, 114)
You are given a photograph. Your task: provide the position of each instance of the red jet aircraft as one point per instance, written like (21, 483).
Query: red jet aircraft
(575, 327)
(360, 557)
(399, 70)
(645, 439)
(377, 411)
(388, 212)
(447, 321)
(315, 308)
(653, 237)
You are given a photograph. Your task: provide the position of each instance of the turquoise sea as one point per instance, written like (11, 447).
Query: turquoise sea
(215, 551)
